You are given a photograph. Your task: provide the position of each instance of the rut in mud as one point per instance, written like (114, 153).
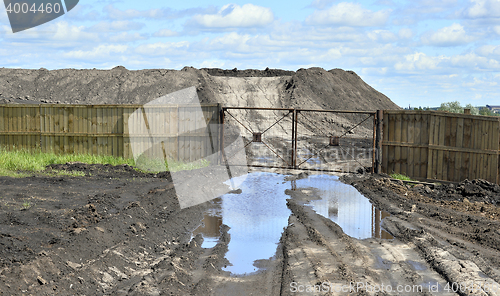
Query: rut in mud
(121, 232)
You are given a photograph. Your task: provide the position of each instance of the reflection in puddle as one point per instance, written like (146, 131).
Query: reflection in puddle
(416, 265)
(344, 205)
(256, 218)
(258, 215)
(210, 227)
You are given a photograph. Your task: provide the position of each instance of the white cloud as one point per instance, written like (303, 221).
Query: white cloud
(382, 36)
(448, 36)
(405, 33)
(165, 33)
(158, 13)
(417, 61)
(129, 14)
(432, 6)
(234, 16)
(66, 32)
(126, 37)
(479, 82)
(488, 50)
(232, 42)
(163, 48)
(483, 9)
(115, 26)
(212, 64)
(98, 53)
(472, 61)
(321, 4)
(348, 14)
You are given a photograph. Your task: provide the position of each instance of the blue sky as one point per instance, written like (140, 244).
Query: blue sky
(418, 53)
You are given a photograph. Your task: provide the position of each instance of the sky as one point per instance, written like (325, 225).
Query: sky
(418, 53)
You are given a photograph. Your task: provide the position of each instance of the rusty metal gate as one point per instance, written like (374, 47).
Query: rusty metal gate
(287, 138)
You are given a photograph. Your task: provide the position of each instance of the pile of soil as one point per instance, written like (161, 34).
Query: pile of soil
(468, 190)
(119, 232)
(106, 170)
(248, 72)
(306, 88)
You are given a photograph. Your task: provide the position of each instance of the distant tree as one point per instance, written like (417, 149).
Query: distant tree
(487, 112)
(473, 110)
(455, 107)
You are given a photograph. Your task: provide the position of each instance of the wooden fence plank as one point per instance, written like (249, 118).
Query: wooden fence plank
(404, 139)
(440, 154)
(471, 142)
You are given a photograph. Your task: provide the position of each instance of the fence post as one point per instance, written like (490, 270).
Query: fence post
(221, 133)
(378, 142)
(296, 135)
(293, 137)
(374, 147)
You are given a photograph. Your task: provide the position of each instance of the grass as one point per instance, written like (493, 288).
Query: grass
(401, 177)
(26, 205)
(23, 163)
(156, 165)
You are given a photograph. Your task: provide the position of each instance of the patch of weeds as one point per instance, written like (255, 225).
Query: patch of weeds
(26, 205)
(70, 173)
(401, 177)
(155, 165)
(23, 163)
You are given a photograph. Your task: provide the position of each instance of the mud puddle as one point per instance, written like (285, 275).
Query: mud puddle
(258, 215)
(345, 206)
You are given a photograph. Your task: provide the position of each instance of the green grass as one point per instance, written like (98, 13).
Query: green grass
(26, 205)
(36, 161)
(156, 165)
(401, 177)
(23, 163)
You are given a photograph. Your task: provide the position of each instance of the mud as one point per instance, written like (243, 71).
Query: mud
(313, 88)
(120, 232)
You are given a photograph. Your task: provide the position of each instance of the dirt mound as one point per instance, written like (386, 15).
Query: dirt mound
(480, 191)
(106, 170)
(335, 89)
(306, 88)
(248, 72)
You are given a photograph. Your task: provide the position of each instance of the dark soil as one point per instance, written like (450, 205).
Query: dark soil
(118, 231)
(335, 89)
(100, 234)
(463, 219)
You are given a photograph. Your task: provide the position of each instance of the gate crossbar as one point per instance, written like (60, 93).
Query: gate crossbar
(294, 128)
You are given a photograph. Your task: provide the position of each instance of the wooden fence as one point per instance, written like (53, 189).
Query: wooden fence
(179, 130)
(441, 146)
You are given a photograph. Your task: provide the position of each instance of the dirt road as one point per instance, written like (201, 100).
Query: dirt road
(120, 232)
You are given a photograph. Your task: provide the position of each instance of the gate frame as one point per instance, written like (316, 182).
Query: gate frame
(376, 138)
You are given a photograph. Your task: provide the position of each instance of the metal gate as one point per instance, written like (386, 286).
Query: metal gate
(287, 138)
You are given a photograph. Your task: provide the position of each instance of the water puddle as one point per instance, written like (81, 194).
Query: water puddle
(256, 218)
(344, 205)
(258, 215)
(211, 223)
(417, 265)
